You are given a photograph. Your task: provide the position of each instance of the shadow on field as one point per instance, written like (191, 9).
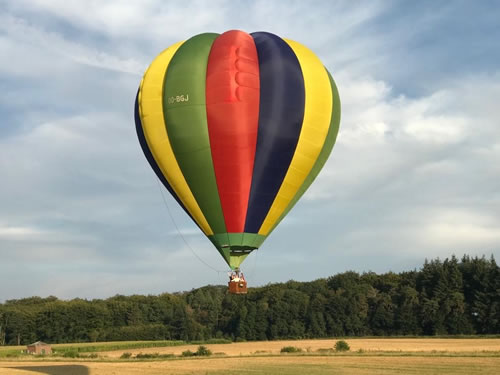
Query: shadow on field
(56, 370)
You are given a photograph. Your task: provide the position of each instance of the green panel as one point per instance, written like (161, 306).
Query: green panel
(186, 121)
(235, 247)
(237, 259)
(258, 240)
(324, 154)
(235, 239)
(248, 238)
(221, 239)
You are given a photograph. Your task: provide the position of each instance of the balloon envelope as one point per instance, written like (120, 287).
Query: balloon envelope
(237, 126)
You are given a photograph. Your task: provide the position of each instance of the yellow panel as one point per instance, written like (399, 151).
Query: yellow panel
(317, 117)
(155, 131)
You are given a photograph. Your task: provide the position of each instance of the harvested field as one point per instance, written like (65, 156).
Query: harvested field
(367, 345)
(286, 365)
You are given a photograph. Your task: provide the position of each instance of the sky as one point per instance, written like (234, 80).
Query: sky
(414, 175)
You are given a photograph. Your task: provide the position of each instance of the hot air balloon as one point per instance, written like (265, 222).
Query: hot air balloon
(237, 126)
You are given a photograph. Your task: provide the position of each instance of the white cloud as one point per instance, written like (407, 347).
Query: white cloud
(18, 232)
(459, 228)
(382, 138)
(145, 20)
(25, 43)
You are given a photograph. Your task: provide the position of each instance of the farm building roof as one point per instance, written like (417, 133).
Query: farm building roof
(38, 343)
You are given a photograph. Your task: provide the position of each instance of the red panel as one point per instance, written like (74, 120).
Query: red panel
(232, 93)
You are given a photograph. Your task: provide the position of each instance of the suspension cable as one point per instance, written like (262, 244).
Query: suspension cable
(181, 235)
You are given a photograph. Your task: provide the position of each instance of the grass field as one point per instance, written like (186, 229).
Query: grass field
(367, 356)
(6, 351)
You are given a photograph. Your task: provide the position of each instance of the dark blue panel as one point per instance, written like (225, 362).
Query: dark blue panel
(281, 112)
(149, 155)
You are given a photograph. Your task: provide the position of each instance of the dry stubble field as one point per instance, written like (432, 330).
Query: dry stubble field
(378, 356)
(274, 347)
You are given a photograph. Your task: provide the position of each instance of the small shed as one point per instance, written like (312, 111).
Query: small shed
(39, 347)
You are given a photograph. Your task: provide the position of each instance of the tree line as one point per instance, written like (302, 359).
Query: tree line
(441, 298)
